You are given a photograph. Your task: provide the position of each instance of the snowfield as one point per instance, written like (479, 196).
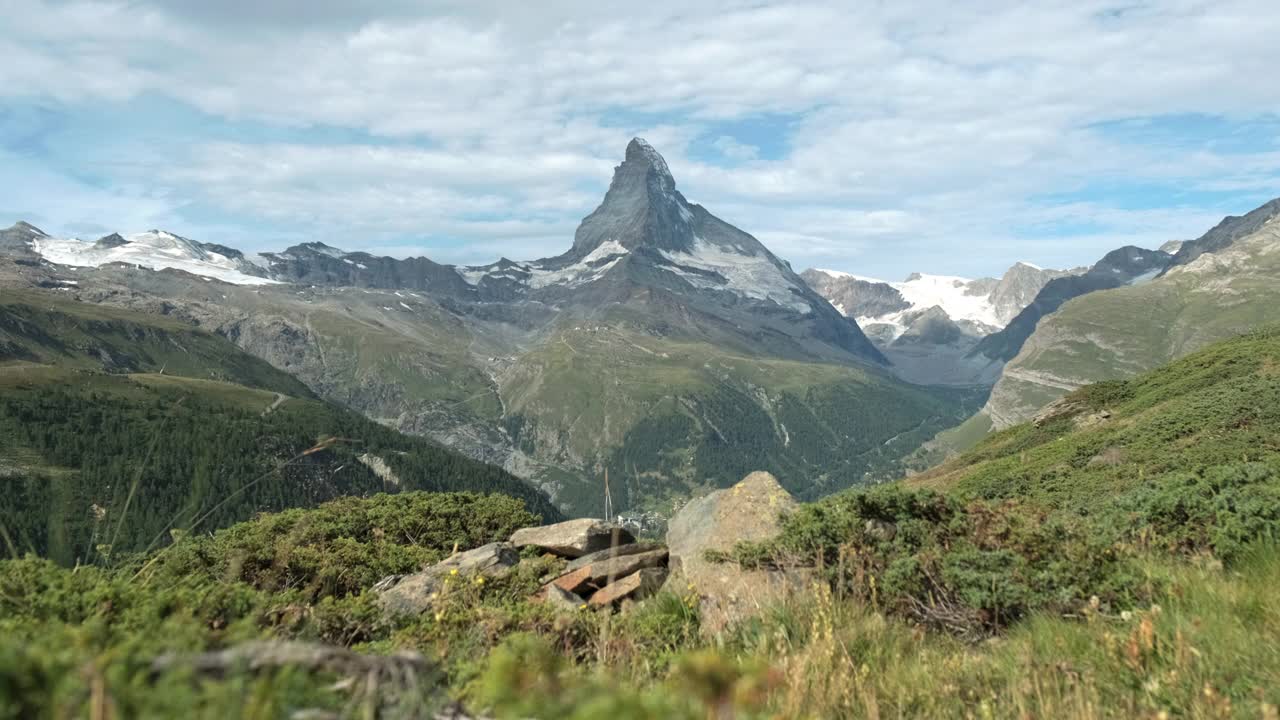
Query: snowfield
(754, 276)
(155, 250)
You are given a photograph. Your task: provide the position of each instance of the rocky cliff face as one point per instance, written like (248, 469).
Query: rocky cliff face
(1018, 287)
(855, 297)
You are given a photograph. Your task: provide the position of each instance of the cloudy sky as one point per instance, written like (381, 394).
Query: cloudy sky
(874, 137)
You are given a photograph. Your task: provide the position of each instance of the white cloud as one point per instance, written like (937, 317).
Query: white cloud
(924, 127)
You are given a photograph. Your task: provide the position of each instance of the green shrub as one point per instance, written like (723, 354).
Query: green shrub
(969, 568)
(1222, 510)
(346, 545)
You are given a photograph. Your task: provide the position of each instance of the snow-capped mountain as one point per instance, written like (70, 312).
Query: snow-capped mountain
(886, 310)
(645, 222)
(155, 250)
(659, 343)
(645, 247)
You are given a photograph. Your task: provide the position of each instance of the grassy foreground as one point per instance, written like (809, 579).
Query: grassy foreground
(1118, 561)
(1203, 641)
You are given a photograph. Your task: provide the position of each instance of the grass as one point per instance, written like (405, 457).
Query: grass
(1205, 644)
(1217, 407)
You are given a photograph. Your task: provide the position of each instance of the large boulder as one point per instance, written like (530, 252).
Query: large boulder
(573, 538)
(750, 510)
(416, 593)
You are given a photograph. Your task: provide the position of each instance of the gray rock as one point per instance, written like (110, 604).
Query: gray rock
(559, 598)
(416, 593)
(750, 510)
(598, 574)
(573, 538)
(636, 586)
(1019, 286)
(615, 552)
(880, 530)
(856, 297)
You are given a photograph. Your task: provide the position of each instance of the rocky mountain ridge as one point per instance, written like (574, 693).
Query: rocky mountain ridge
(665, 346)
(1134, 310)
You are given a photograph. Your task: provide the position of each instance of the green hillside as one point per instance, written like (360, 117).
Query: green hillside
(1186, 445)
(1119, 560)
(45, 328)
(670, 418)
(101, 453)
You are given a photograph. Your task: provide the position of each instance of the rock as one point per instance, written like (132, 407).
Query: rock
(412, 594)
(1056, 409)
(597, 574)
(559, 598)
(632, 549)
(573, 538)
(573, 581)
(880, 530)
(635, 586)
(750, 510)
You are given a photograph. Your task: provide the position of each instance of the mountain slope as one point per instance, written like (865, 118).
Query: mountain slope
(1117, 268)
(116, 427)
(1198, 439)
(1120, 332)
(44, 329)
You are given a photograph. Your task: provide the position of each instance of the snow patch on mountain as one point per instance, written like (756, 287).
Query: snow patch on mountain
(922, 292)
(155, 249)
(755, 276)
(538, 275)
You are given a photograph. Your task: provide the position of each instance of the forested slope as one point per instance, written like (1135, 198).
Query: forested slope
(118, 431)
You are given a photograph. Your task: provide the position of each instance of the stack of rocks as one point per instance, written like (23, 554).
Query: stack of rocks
(606, 565)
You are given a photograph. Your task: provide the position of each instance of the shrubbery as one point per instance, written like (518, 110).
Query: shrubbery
(1220, 511)
(970, 568)
(346, 545)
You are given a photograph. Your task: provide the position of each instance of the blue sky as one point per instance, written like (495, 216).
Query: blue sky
(877, 138)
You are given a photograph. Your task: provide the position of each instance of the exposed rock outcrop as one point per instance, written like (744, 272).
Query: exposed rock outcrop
(416, 593)
(751, 511)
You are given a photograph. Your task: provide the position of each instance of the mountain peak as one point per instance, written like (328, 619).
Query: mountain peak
(641, 208)
(639, 151)
(114, 240)
(25, 227)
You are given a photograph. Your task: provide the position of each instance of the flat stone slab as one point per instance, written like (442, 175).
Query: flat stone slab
(608, 553)
(413, 594)
(599, 573)
(574, 538)
(636, 586)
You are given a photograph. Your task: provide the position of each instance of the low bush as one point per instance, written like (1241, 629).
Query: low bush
(970, 568)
